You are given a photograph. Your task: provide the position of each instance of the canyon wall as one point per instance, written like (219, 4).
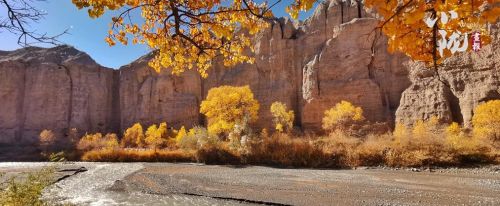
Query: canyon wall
(459, 85)
(335, 55)
(310, 66)
(57, 88)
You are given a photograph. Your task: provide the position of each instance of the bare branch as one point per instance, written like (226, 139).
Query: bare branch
(20, 14)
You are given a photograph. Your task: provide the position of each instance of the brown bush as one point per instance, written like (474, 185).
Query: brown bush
(138, 155)
(371, 152)
(282, 150)
(47, 140)
(429, 143)
(217, 155)
(341, 147)
(97, 141)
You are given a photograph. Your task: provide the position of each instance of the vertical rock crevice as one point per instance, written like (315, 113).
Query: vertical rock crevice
(360, 6)
(341, 12)
(70, 106)
(455, 109)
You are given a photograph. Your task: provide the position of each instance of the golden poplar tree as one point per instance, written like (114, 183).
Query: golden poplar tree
(429, 30)
(180, 135)
(189, 34)
(133, 136)
(342, 116)
(282, 118)
(486, 120)
(226, 106)
(155, 136)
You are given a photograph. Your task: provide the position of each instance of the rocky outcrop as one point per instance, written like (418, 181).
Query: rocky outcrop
(353, 65)
(57, 89)
(334, 55)
(459, 85)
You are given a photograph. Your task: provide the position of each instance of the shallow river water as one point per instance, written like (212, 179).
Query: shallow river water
(229, 185)
(91, 187)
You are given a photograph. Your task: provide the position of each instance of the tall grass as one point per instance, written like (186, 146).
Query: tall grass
(284, 150)
(26, 190)
(138, 155)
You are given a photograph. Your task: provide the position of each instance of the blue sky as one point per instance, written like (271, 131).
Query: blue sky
(88, 34)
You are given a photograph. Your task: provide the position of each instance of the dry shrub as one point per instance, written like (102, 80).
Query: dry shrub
(371, 152)
(426, 143)
(138, 155)
(47, 140)
(282, 150)
(431, 144)
(341, 147)
(47, 137)
(205, 139)
(192, 139)
(469, 148)
(97, 141)
(422, 146)
(217, 155)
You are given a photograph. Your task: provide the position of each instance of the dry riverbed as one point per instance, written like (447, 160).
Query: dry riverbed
(193, 184)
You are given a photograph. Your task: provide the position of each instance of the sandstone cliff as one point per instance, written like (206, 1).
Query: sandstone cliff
(332, 56)
(461, 83)
(57, 88)
(310, 66)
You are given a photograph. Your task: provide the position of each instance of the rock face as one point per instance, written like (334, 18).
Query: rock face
(151, 98)
(333, 56)
(461, 83)
(311, 66)
(57, 89)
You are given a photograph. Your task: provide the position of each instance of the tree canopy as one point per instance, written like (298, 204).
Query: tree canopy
(282, 117)
(190, 34)
(432, 30)
(343, 115)
(226, 106)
